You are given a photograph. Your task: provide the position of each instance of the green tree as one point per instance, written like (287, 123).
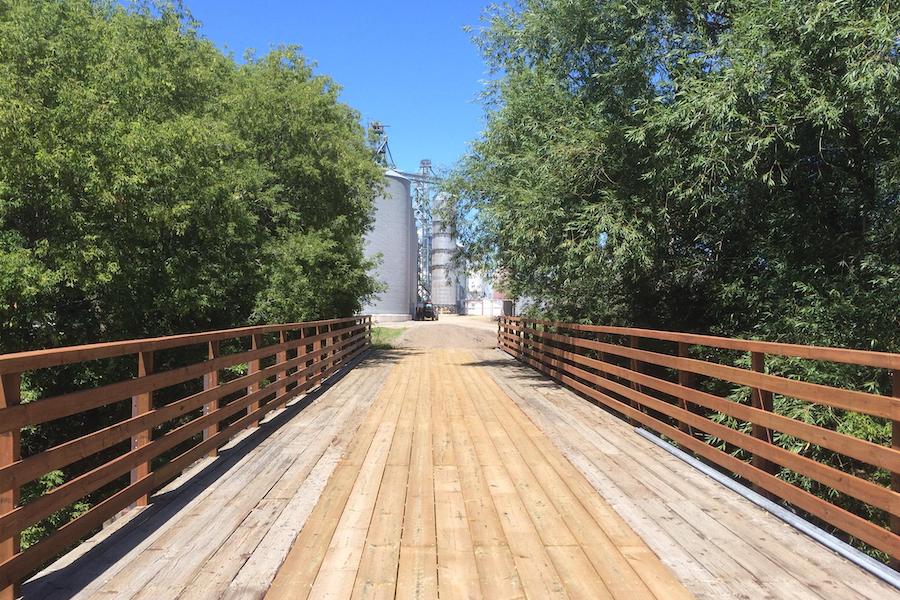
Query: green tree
(150, 185)
(722, 166)
(729, 167)
(313, 184)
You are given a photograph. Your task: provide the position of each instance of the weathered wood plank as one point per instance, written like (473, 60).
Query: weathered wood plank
(297, 574)
(141, 548)
(417, 570)
(457, 570)
(376, 576)
(718, 543)
(536, 571)
(240, 563)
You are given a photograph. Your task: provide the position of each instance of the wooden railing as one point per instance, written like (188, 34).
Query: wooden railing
(269, 365)
(658, 389)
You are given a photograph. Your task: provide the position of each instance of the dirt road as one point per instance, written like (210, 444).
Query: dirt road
(451, 331)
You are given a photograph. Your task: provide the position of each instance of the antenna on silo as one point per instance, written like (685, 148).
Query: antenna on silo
(379, 139)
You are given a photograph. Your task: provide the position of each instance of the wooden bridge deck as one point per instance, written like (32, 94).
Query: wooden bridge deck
(450, 473)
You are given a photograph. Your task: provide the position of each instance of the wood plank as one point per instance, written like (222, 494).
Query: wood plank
(622, 580)
(536, 571)
(195, 541)
(577, 501)
(248, 562)
(457, 570)
(417, 570)
(547, 520)
(337, 572)
(262, 565)
(443, 444)
(496, 566)
(376, 576)
(717, 542)
(297, 574)
(578, 574)
(688, 500)
(656, 525)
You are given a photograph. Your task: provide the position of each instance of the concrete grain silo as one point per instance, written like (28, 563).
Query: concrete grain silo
(394, 237)
(444, 276)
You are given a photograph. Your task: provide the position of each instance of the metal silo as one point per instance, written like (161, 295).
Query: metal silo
(393, 236)
(444, 278)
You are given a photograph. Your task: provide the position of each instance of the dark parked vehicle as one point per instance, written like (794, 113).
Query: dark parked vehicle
(426, 310)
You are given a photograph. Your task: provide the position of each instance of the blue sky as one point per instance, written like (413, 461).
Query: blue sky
(407, 64)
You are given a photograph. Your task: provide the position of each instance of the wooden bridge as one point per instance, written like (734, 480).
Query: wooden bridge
(293, 461)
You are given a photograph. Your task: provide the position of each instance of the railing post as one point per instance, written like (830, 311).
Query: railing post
(10, 452)
(333, 343)
(281, 357)
(307, 350)
(369, 329)
(255, 344)
(293, 354)
(323, 344)
(527, 328)
(685, 379)
(141, 404)
(302, 350)
(526, 337)
(895, 476)
(210, 381)
(761, 399)
(635, 365)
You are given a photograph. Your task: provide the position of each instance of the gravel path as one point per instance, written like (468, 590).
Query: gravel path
(450, 331)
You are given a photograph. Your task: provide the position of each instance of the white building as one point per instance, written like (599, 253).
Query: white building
(393, 236)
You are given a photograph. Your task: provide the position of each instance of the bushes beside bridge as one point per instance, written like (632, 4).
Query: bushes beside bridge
(729, 168)
(150, 184)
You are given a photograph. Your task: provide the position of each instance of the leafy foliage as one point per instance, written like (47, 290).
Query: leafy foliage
(725, 167)
(151, 185)
(383, 338)
(40, 530)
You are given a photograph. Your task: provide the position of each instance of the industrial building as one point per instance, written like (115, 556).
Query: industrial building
(417, 248)
(448, 285)
(393, 236)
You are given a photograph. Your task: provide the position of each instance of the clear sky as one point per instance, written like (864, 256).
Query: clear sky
(407, 64)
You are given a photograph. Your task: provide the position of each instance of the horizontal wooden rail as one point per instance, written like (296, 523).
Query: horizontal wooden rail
(883, 360)
(665, 399)
(303, 356)
(54, 357)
